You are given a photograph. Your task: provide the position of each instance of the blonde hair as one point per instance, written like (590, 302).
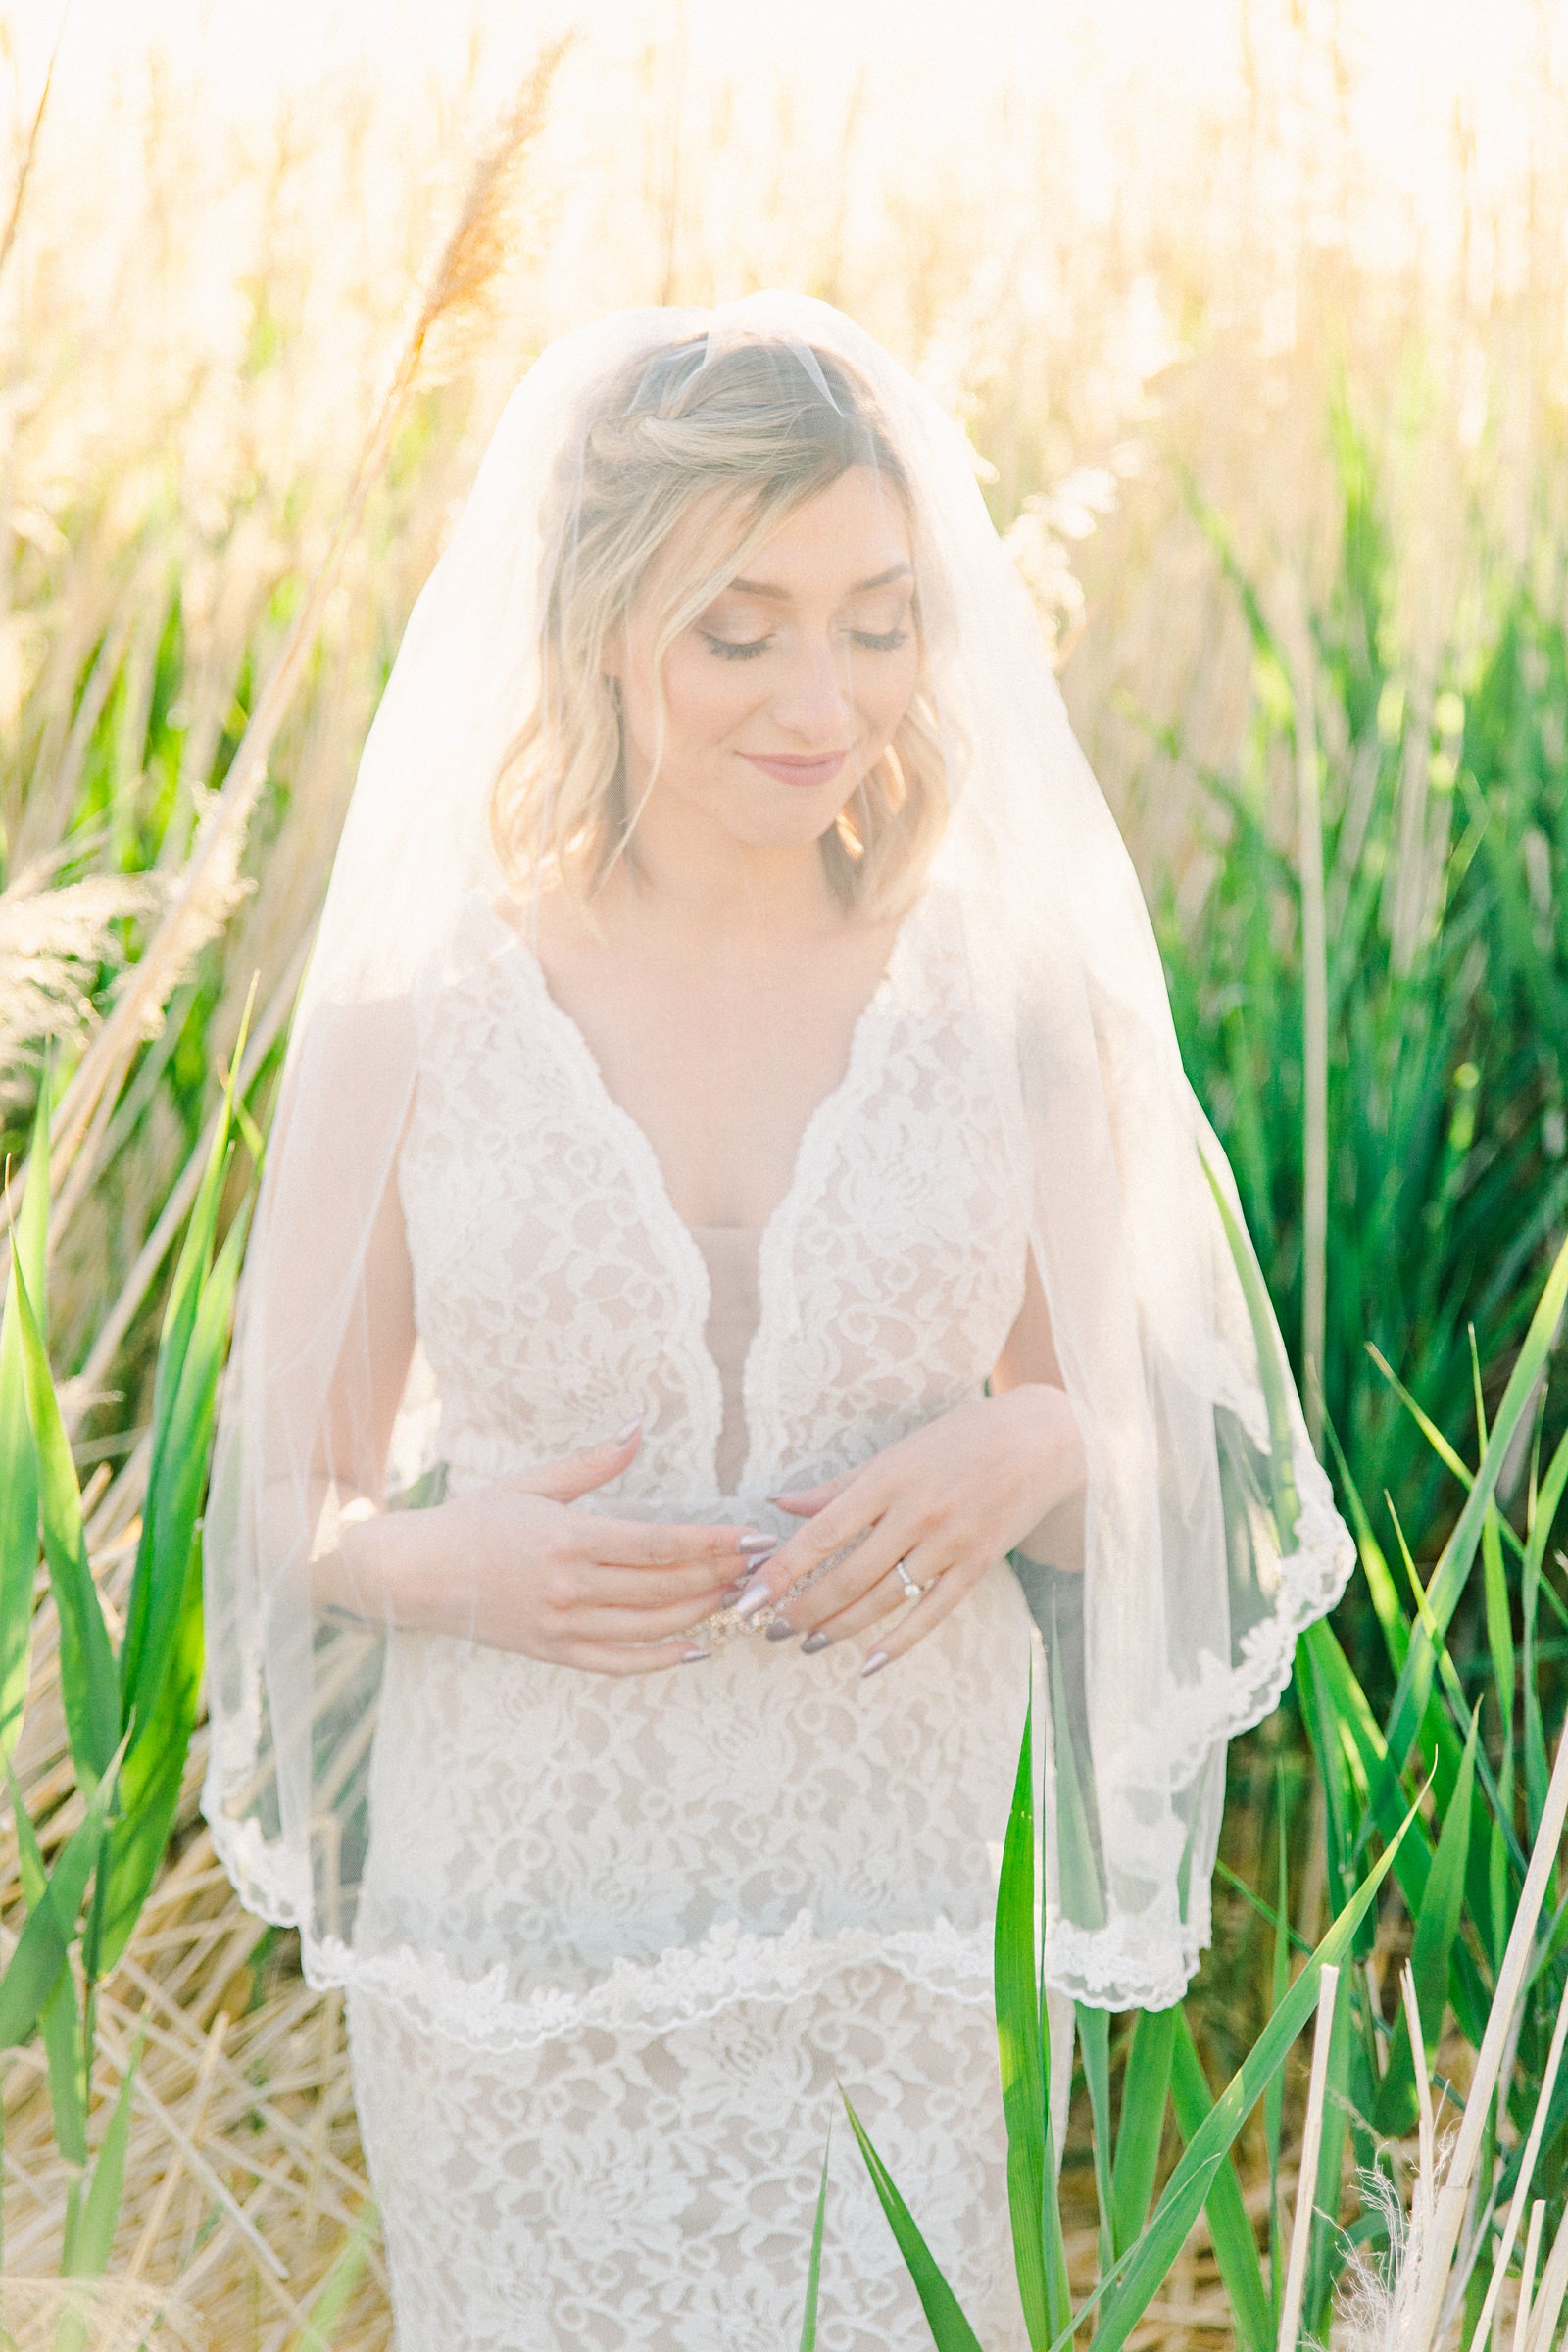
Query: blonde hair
(750, 435)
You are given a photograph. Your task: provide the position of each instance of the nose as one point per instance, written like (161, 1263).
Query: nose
(813, 700)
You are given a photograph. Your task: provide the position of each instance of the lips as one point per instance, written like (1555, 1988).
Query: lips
(792, 768)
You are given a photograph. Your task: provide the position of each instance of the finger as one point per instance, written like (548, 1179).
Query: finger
(925, 1616)
(611, 1586)
(803, 1502)
(629, 1628)
(580, 1472)
(881, 1599)
(841, 1522)
(653, 1544)
(849, 1580)
(627, 1658)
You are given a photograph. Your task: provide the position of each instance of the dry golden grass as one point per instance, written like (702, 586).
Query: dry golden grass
(243, 2183)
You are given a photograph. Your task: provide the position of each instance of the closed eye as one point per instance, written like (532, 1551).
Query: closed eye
(736, 649)
(741, 648)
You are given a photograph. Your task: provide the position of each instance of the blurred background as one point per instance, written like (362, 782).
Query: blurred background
(1256, 314)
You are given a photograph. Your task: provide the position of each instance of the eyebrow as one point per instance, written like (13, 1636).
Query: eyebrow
(781, 596)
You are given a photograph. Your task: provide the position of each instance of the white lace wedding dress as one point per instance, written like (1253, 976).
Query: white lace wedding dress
(629, 1936)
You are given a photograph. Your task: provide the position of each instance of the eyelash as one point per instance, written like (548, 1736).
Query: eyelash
(733, 649)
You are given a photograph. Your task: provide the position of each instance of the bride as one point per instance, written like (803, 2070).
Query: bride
(733, 1026)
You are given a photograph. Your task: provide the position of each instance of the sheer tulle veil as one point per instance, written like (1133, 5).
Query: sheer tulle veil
(1210, 1537)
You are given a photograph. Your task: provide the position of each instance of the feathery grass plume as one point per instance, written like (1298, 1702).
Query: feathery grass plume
(48, 2315)
(454, 300)
(8, 234)
(53, 945)
(1378, 2298)
(1450, 2206)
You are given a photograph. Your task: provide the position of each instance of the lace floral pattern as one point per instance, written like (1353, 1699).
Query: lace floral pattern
(620, 2196)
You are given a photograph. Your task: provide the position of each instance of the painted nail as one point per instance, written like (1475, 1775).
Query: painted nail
(694, 1657)
(732, 1593)
(759, 1544)
(816, 1641)
(624, 1436)
(878, 1659)
(778, 1631)
(755, 1596)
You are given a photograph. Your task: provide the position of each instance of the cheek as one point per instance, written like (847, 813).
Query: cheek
(706, 697)
(885, 688)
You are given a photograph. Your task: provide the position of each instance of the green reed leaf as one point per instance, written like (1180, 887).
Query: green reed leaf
(1093, 2033)
(189, 1358)
(1457, 1557)
(93, 2240)
(1546, 1502)
(19, 1469)
(1431, 1955)
(1020, 2046)
(332, 2295)
(58, 2019)
(950, 2329)
(44, 1947)
(813, 2276)
(88, 1682)
(1145, 2092)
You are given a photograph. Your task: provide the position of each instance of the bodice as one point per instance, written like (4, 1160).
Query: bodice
(557, 1292)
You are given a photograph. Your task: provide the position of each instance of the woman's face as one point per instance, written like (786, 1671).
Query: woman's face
(789, 686)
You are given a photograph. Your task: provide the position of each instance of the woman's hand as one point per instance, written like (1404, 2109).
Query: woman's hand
(510, 1565)
(947, 1500)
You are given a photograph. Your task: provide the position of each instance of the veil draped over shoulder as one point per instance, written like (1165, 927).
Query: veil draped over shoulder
(1210, 1537)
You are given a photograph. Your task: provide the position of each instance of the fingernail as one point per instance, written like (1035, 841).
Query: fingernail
(878, 1659)
(694, 1657)
(789, 1495)
(813, 1643)
(624, 1436)
(732, 1593)
(778, 1631)
(758, 1543)
(754, 1597)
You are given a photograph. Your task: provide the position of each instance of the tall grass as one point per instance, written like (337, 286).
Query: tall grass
(1444, 976)
(1469, 1839)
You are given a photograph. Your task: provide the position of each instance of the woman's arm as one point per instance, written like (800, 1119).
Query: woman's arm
(330, 1273)
(367, 1575)
(1029, 1359)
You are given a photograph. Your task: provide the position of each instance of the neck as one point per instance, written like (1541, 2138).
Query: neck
(699, 878)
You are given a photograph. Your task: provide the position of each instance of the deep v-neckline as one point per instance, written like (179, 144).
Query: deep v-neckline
(812, 1150)
(823, 1112)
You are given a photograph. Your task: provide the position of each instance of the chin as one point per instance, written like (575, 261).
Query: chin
(781, 834)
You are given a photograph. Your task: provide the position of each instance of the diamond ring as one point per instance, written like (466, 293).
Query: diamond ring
(913, 1589)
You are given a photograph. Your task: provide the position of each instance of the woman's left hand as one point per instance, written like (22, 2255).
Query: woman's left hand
(946, 1502)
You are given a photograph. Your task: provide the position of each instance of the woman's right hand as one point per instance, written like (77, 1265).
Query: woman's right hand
(510, 1565)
